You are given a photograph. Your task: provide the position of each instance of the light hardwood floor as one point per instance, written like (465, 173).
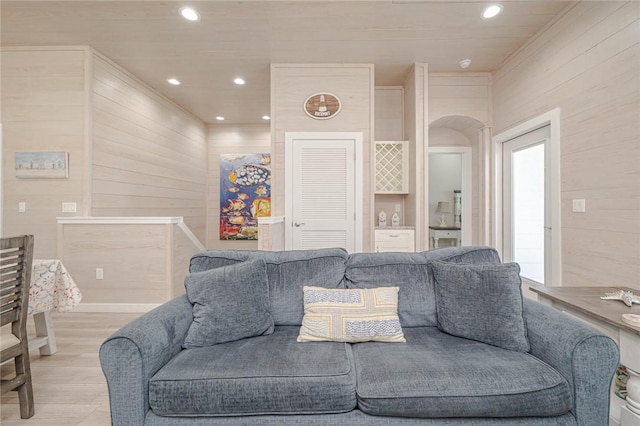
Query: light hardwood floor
(68, 387)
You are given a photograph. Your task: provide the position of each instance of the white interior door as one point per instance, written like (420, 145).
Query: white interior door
(323, 191)
(526, 207)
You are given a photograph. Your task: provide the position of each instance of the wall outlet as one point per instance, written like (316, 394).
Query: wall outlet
(99, 274)
(398, 207)
(68, 207)
(578, 206)
(22, 207)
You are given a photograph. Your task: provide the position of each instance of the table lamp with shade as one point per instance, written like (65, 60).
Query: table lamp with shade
(444, 207)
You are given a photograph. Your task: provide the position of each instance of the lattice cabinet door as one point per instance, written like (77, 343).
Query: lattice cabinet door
(392, 167)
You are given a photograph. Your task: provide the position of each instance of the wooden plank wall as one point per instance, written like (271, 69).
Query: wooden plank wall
(389, 113)
(149, 155)
(460, 94)
(416, 114)
(230, 139)
(43, 109)
(586, 64)
(353, 84)
(108, 246)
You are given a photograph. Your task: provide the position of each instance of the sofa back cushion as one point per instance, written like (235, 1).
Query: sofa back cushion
(287, 271)
(481, 302)
(229, 303)
(410, 272)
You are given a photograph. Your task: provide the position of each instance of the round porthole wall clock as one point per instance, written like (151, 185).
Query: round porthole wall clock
(322, 106)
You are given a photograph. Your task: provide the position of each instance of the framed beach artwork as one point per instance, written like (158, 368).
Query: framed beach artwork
(245, 194)
(42, 165)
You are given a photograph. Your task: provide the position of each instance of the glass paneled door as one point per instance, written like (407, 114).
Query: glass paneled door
(526, 209)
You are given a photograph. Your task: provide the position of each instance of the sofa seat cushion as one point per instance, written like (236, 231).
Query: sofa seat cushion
(438, 375)
(270, 374)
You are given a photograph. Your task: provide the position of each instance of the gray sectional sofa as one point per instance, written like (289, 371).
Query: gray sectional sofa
(434, 378)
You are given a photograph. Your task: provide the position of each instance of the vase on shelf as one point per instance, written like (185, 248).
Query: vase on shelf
(395, 219)
(382, 218)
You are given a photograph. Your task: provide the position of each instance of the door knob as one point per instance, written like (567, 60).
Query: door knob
(298, 224)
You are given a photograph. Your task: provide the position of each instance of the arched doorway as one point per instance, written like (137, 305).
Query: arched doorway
(455, 178)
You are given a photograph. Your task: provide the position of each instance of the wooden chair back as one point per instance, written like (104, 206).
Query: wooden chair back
(16, 261)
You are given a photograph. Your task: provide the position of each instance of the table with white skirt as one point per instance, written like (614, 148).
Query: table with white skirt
(52, 289)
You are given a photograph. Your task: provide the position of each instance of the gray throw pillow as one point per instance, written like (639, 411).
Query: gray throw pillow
(481, 302)
(229, 303)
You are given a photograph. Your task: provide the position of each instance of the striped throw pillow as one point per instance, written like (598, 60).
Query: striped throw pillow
(351, 315)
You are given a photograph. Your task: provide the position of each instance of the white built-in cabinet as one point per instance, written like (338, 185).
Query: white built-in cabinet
(391, 187)
(395, 239)
(392, 167)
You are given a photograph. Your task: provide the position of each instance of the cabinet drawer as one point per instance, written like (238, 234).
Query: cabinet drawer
(446, 234)
(394, 235)
(395, 240)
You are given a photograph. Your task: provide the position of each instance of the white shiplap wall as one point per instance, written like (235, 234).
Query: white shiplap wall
(149, 156)
(587, 64)
(460, 94)
(353, 84)
(43, 109)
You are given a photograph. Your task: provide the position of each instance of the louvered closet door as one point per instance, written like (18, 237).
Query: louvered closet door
(323, 194)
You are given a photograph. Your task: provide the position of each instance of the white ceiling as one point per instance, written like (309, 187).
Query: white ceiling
(242, 38)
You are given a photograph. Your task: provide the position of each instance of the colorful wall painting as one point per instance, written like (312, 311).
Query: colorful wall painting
(245, 194)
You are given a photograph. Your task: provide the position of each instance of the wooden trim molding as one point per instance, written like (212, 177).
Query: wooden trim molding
(90, 220)
(115, 307)
(270, 220)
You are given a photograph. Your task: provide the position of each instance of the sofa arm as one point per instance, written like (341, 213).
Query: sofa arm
(133, 354)
(584, 356)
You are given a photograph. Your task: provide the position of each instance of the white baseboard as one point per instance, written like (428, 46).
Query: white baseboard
(115, 307)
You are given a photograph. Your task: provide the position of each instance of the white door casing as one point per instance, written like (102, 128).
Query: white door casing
(553, 261)
(525, 211)
(1, 185)
(323, 190)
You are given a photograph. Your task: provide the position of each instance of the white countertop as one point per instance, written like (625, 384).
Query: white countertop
(391, 228)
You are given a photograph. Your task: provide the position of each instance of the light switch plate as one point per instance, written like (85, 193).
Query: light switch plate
(22, 207)
(68, 207)
(578, 206)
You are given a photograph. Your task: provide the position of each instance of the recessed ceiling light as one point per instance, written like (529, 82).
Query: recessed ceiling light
(238, 81)
(174, 81)
(492, 11)
(220, 118)
(464, 64)
(266, 117)
(189, 14)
